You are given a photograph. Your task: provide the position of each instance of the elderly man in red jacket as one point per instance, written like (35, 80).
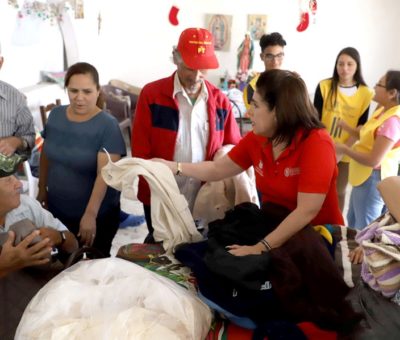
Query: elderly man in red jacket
(183, 117)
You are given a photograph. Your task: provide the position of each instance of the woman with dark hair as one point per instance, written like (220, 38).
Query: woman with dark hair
(344, 97)
(376, 154)
(70, 183)
(292, 154)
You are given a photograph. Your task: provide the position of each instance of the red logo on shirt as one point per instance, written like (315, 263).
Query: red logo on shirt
(288, 172)
(259, 168)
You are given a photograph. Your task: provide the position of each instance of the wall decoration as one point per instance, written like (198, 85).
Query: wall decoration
(308, 11)
(173, 16)
(313, 8)
(13, 3)
(220, 26)
(245, 54)
(51, 10)
(99, 19)
(304, 22)
(79, 9)
(256, 25)
(33, 14)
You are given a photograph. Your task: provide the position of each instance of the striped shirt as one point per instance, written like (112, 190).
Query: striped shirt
(15, 117)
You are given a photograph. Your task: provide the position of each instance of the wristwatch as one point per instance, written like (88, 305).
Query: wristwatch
(63, 237)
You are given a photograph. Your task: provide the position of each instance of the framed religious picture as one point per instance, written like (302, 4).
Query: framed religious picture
(79, 9)
(220, 26)
(256, 25)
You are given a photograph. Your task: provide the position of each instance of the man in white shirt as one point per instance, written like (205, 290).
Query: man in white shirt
(183, 117)
(15, 207)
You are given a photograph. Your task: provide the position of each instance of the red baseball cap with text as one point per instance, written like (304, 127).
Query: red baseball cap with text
(196, 46)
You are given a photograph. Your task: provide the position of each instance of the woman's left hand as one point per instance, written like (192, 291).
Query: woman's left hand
(238, 250)
(87, 229)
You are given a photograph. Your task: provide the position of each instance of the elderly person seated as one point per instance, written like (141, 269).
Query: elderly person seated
(35, 248)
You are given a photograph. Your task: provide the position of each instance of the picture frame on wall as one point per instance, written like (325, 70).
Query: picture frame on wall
(256, 25)
(79, 9)
(220, 26)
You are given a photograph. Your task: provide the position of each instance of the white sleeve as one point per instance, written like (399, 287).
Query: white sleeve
(40, 216)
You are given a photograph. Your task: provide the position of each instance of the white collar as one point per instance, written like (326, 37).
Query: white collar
(178, 88)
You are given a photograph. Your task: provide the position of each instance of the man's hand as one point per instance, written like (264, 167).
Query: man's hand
(8, 145)
(13, 257)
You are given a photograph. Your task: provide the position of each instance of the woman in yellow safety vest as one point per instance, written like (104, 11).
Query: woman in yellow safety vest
(376, 155)
(343, 97)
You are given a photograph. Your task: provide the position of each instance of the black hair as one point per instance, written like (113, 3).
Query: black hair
(393, 82)
(358, 77)
(85, 68)
(287, 93)
(271, 39)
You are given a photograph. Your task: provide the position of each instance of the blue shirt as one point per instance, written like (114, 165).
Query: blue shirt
(71, 149)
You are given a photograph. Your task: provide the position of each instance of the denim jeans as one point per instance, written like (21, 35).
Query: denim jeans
(241, 321)
(365, 202)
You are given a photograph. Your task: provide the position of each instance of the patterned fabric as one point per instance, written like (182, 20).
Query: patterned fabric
(224, 330)
(9, 164)
(345, 243)
(381, 267)
(154, 258)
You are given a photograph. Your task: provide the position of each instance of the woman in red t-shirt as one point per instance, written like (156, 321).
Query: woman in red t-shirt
(292, 154)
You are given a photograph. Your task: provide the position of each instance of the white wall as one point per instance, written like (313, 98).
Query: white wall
(28, 46)
(135, 40)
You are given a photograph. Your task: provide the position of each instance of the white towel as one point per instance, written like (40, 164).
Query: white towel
(170, 214)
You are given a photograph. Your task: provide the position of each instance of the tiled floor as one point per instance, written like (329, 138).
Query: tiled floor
(130, 234)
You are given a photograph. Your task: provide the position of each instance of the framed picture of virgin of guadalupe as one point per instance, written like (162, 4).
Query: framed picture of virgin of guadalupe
(220, 26)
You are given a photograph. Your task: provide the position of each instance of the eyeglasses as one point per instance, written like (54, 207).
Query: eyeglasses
(380, 85)
(270, 56)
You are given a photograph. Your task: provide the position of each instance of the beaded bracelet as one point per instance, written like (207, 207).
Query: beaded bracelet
(266, 244)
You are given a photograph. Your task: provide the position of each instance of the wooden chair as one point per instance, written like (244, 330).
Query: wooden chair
(135, 90)
(118, 105)
(46, 108)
